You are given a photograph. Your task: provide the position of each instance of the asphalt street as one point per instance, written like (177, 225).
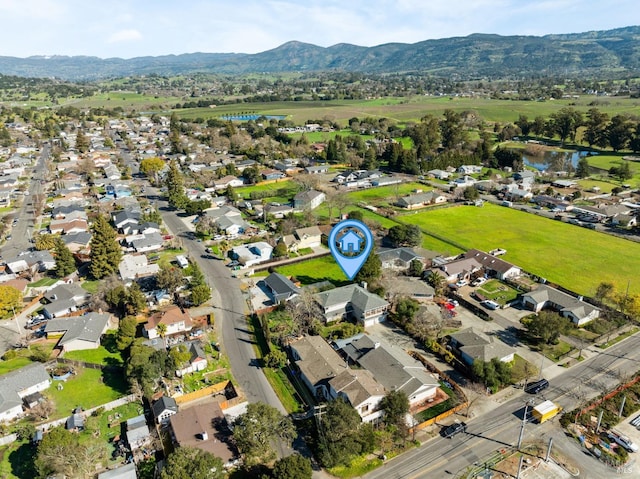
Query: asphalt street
(500, 427)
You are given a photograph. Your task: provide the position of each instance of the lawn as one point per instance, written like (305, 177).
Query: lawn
(91, 286)
(16, 461)
(13, 364)
(386, 194)
(576, 258)
(556, 351)
(87, 388)
(284, 184)
(44, 282)
(22, 357)
(498, 292)
(521, 369)
(106, 354)
(314, 270)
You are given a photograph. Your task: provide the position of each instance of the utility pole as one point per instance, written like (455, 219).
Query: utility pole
(546, 459)
(524, 421)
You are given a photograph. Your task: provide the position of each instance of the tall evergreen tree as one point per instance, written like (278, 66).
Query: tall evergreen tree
(175, 186)
(65, 264)
(105, 250)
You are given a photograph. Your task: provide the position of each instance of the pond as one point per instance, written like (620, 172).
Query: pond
(251, 117)
(555, 160)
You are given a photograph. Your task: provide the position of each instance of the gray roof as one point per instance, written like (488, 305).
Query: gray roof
(318, 361)
(60, 306)
(352, 293)
(165, 403)
(357, 384)
(281, 286)
(565, 301)
(13, 383)
(81, 237)
(468, 337)
(151, 239)
(405, 255)
(395, 370)
(74, 421)
(489, 261)
(65, 291)
(86, 328)
(128, 471)
(307, 196)
(478, 347)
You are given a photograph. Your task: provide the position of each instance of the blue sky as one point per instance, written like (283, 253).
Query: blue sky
(132, 28)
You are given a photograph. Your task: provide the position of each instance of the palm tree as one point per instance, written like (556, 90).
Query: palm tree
(437, 281)
(162, 329)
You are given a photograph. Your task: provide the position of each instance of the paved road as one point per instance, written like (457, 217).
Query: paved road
(500, 427)
(22, 231)
(231, 308)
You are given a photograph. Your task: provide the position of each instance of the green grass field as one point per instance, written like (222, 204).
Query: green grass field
(576, 258)
(87, 388)
(106, 354)
(386, 194)
(314, 270)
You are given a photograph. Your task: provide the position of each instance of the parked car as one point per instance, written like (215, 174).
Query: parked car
(461, 283)
(624, 441)
(453, 429)
(537, 386)
(487, 303)
(478, 281)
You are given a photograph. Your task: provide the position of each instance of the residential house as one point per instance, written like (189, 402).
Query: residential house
(138, 434)
(79, 332)
(564, 183)
(409, 287)
(146, 242)
(227, 181)
(77, 242)
(18, 384)
(318, 363)
(197, 361)
(398, 259)
(361, 390)
(605, 212)
(571, 307)
(126, 221)
(111, 172)
(136, 266)
(353, 302)
(279, 288)
(244, 164)
(59, 308)
(420, 200)
(65, 226)
(203, 426)
(175, 320)
(494, 267)
(459, 269)
(252, 253)
(310, 237)
(391, 367)
(278, 211)
(128, 471)
(232, 225)
(518, 194)
(471, 346)
(308, 200)
(387, 181)
(68, 291)
(463, 182)
(439, 174)
(469, 169)
(317, 169)
(270, 174)
(163, 409)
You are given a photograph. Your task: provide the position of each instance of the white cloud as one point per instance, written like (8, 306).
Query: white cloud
(129, 35)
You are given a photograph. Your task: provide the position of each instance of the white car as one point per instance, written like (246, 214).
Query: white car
(624, 441)
(461, 283)
(478, 281)
(490, 304)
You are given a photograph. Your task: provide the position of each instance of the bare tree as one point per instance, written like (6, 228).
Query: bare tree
(475, 391)
(304, 311)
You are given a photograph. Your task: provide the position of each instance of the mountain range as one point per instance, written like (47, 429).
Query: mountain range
(477, 55)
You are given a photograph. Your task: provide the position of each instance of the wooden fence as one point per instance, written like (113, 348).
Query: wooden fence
(209, 390)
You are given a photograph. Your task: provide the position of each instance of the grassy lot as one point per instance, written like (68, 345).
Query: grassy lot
(497, 291)
(168, 255)
(576, 258)
(605, 186)
(619, 338)
(555, 351)
(519, 369)
(107, 354)
(358, 467)
(91, 286)
(44, 282)
(386, 194)
(19, 358)
(87, 388)
(285, 183)
(314, 270)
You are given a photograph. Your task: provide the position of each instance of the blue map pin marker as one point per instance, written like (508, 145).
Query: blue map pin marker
(350, 242)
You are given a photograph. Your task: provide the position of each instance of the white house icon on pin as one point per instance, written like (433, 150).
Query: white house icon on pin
(350, 242)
